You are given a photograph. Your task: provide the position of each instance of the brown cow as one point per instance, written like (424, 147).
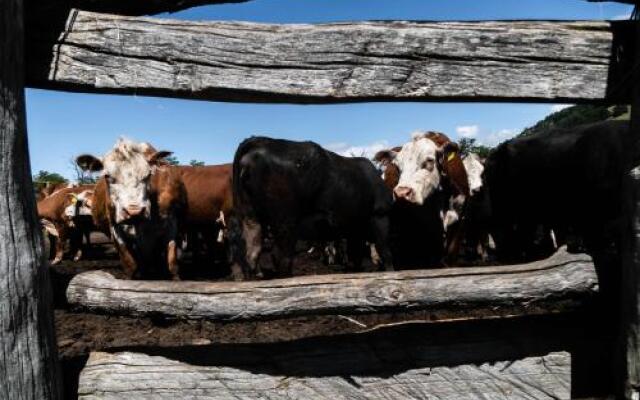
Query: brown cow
(62, 214)
(148, 206)
(47, 189)
(209, 200)
(427, 171)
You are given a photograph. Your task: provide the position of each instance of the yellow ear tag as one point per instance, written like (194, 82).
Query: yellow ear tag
(451, 156)
(74, 199)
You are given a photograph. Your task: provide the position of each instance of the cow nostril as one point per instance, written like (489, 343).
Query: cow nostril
(404, 192)
(132, 211)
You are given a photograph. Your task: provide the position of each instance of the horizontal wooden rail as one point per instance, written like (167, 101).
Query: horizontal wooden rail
(564, 282)
(342, 62)
(530, 358)
(123, 375)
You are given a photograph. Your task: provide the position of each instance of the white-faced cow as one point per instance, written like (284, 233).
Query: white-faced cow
(66, 216)
(143, 202)
(431, 186)
(149, 206)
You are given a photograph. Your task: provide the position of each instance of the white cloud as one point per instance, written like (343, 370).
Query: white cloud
(468, 131)
(368, 151)
(496, 138)
(560, 107)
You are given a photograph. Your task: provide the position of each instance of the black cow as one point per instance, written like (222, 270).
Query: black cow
(565, 180)
(300, 191)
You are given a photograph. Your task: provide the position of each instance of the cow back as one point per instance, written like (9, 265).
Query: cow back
(52, 207)
(208, 192)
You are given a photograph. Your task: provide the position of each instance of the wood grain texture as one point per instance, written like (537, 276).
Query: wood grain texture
(564, 282)
(498, 359)
(461, 359)
(343, 62)
(628, 343)
(134, 375)
(28, 363)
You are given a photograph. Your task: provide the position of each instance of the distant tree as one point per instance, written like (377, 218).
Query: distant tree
(172, 160)
(43, 178)
(196, 163)
(49, 177)
(82, 177)
(468, 145)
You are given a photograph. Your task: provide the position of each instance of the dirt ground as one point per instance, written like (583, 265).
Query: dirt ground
(80, 333)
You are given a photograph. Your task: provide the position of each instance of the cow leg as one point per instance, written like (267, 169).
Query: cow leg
(128, 263)
(245, 243)
(75, 241)
(380, 228)
(355, 254)
(87, 240)
(283, 252)
(172, 247)
(60, 243)
(454, 241)
(172, 260)
(53, 242)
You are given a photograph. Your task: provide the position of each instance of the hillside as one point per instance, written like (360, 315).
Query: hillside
(578, 115)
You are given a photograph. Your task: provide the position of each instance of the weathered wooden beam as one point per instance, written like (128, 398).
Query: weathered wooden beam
(123, 375)
(28, 362)
(628, 346)
(344, 62)
(498, 359)
(564, 282)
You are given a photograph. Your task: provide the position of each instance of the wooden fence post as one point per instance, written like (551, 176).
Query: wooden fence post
(628, 368)
(28, 361)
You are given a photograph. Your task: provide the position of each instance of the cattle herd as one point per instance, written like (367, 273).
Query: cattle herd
(422, 204)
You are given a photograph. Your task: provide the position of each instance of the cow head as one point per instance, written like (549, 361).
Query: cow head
(474, 165)
(78, 204)
(127, 170)
(419, 165)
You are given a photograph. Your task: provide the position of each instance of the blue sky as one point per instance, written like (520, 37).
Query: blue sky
(62, 125)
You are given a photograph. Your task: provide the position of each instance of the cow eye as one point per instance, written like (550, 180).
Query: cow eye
(429, 164)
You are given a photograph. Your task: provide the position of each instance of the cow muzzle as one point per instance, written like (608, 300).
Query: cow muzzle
(405, 193)
(133, 211)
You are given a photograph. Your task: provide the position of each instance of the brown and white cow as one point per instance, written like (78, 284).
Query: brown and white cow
(63, 214)
(140, 200)
(209, 201)
(426, 174)
(49, 188)
(148, 206)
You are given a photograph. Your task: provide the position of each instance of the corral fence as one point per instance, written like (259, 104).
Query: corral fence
(540, 330)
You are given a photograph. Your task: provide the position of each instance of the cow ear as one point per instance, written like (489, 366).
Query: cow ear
(87, 162)
(385, 156)
(451, 149)
(73, 197)
(447, 152)
(158, 158)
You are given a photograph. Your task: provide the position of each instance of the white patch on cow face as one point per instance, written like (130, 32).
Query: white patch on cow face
(84, 203)
(419, 174)
(474, 168)
(128, 172)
